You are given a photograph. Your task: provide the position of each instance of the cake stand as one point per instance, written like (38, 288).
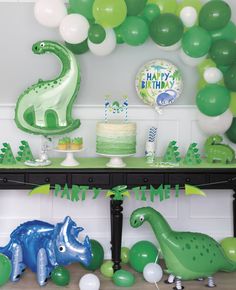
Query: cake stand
(115, 160)
(69, 160)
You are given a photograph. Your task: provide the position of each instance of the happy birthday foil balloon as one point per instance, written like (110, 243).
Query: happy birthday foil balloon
(42, 247)
(159, 83)
(45, 108)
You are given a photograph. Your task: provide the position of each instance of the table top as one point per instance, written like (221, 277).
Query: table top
(131, 163)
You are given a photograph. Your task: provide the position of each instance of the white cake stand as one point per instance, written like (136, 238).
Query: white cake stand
(69, 160)
(115, 160)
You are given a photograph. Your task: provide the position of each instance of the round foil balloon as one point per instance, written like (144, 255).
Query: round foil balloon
(159, 83)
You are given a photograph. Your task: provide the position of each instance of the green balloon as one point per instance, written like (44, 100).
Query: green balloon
(97, 256)
(150, 12)
(229, 247)
(226, 33)
(230, 78)
(107, 269)
(79, 48)
(213, 100)
(118, 32)
(165, 6)
(166, 29)
(123, 278)
(134, 30)
(214, 15)
(96, 33)
(196, 42)
(109, 13)
(223, 52)
(124, 255)
(135, 7)
(231, 133)
(223, 68)
(83, 7)
(141, 254)
(5, 269)
(60, 276)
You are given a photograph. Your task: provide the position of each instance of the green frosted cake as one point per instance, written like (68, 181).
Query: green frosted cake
(116, 138)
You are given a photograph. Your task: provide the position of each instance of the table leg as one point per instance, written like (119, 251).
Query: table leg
(234, 212)
(116, 231)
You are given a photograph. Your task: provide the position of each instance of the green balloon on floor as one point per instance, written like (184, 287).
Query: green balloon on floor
(124, 255)
(229, 246)
(123, 278)
(60, 276)
(141, 254)
(97, 256)
(5, 269)
(107, 269)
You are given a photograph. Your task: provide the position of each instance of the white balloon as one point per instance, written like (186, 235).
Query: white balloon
(50, 12)
(188, 15)
(173, 47)
(191, 61)
(106, 47)
(74, 28)
(89, 282)
(152, 273)
(215, 125)
(212, 75)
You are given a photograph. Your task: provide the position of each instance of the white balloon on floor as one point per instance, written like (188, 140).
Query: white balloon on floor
(50, 13)
(89, 282)
(215, 125)
(152, 273)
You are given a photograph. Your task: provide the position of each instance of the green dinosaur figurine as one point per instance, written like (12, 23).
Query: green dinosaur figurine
(216, 151)
(24, 152)
(46, 107)
(187, 255)
(7, 157)
(192, 156)
(172, 155)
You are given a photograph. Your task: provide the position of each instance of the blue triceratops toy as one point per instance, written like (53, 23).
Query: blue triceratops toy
(42, 246)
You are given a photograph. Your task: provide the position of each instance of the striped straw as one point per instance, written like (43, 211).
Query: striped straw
(152, 134)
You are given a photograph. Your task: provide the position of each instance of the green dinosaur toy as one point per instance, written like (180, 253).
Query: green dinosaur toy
(216, 151)
(172, 155)
(24, 152)
(46, 107)
(187, 255)
(192, 156)
(7, 157)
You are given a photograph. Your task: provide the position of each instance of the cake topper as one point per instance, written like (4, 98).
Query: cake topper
(116, 107)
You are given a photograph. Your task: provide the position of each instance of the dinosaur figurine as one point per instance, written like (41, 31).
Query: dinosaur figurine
(187, 255)
(50, 98)
(216, 151)
(42, 246)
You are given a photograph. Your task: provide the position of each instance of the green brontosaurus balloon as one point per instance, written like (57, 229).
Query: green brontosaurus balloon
(187, 255)
(45, 108)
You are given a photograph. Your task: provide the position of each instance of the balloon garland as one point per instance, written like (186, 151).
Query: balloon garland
(203, 33)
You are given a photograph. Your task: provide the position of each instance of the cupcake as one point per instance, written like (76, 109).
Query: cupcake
(76, 143)
(62, 145)
(68, 142)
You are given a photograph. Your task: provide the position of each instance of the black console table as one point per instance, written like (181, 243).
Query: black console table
(94, 173)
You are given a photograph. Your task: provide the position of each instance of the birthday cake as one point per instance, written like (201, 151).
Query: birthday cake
(116, 137)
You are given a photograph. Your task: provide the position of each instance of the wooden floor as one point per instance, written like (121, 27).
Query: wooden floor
(224, 281)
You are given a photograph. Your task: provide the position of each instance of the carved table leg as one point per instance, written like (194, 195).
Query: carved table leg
(116, 231)
(234, 212)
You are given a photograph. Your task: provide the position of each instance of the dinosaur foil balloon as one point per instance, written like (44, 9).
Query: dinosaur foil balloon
(45, 108)
(42, 246)
(187, 255)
